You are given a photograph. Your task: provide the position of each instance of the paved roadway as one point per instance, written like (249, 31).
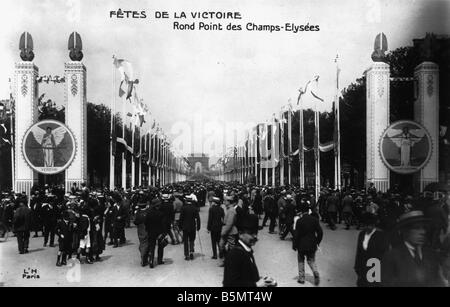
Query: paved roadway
(120, 266)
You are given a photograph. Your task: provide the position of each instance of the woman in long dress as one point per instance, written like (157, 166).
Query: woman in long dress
(48, 144)
(405, 149)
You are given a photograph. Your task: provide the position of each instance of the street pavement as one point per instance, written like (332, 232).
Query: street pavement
(121, 266)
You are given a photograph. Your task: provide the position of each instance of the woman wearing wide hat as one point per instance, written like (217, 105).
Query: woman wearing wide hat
(411, 263)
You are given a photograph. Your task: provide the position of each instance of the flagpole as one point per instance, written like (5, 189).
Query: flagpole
(255, 154)
(242, 163)
(152, 160)
(273, 150)
(12, 134)
(259, 147)
(158, 143)
(317, 151)
(165, 162)
(301, 155)
(133, 163)
(281, 148)
(150, 157)
(124, 161)
(289, 143)
(266, 144)
(112, 110)
(338, 133)
(140, 159)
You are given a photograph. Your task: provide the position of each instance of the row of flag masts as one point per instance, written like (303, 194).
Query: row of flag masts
(152, 152)
(253, 158)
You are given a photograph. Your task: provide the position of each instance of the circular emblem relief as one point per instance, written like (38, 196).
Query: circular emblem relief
(405, 147)
(48, 147)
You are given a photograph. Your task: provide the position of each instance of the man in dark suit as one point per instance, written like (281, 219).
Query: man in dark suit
(118, 216)
(372, 244)
(49, 219)
(332, 209)
(270, 209)
(307, 237)
(411, 263)
(289, 214)
(22, 224)
(215, 223)
(240, 266)
(154, 224)
(169, 215)
(189, 222)
(64, 233)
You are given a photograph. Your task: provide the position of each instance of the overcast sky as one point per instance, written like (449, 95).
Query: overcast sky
(212, 78)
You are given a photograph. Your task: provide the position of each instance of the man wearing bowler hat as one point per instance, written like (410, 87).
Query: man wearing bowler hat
(240, 266)
(411, 263)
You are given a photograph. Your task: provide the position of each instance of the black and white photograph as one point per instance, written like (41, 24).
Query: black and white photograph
(198, 144)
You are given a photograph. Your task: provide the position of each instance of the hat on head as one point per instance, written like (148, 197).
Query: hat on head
(411, 217)
(370, 218)
(249, 224)
(215, 199)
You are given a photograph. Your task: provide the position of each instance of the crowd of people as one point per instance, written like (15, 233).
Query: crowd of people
(84, 220)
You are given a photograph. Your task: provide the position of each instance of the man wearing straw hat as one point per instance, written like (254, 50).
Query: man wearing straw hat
(411, 263)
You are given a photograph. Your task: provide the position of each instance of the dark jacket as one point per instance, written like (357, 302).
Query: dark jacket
(215, 218)
(257, 204)
(332, 203)
(240, 268)
(378, 245)
(168, 212)
(140, 219)
(270, 206)
(22, 219)
(118, 215)
(189, 218)
(289, 212)
(154, 223)
(63, 230)
(308, 234)
(399, 269)
(49, 214)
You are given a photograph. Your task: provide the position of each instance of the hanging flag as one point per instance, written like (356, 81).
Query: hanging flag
(4, 135)
(263, 140)
(326, 147)
(314, 90)
(127, 79)
(302, 91)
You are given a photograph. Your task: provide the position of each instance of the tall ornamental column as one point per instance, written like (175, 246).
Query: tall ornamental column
(377, 114)
(76, 111)
(25, 92)
(426, 112)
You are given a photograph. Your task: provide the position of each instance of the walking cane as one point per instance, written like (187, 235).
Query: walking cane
(200, 243)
